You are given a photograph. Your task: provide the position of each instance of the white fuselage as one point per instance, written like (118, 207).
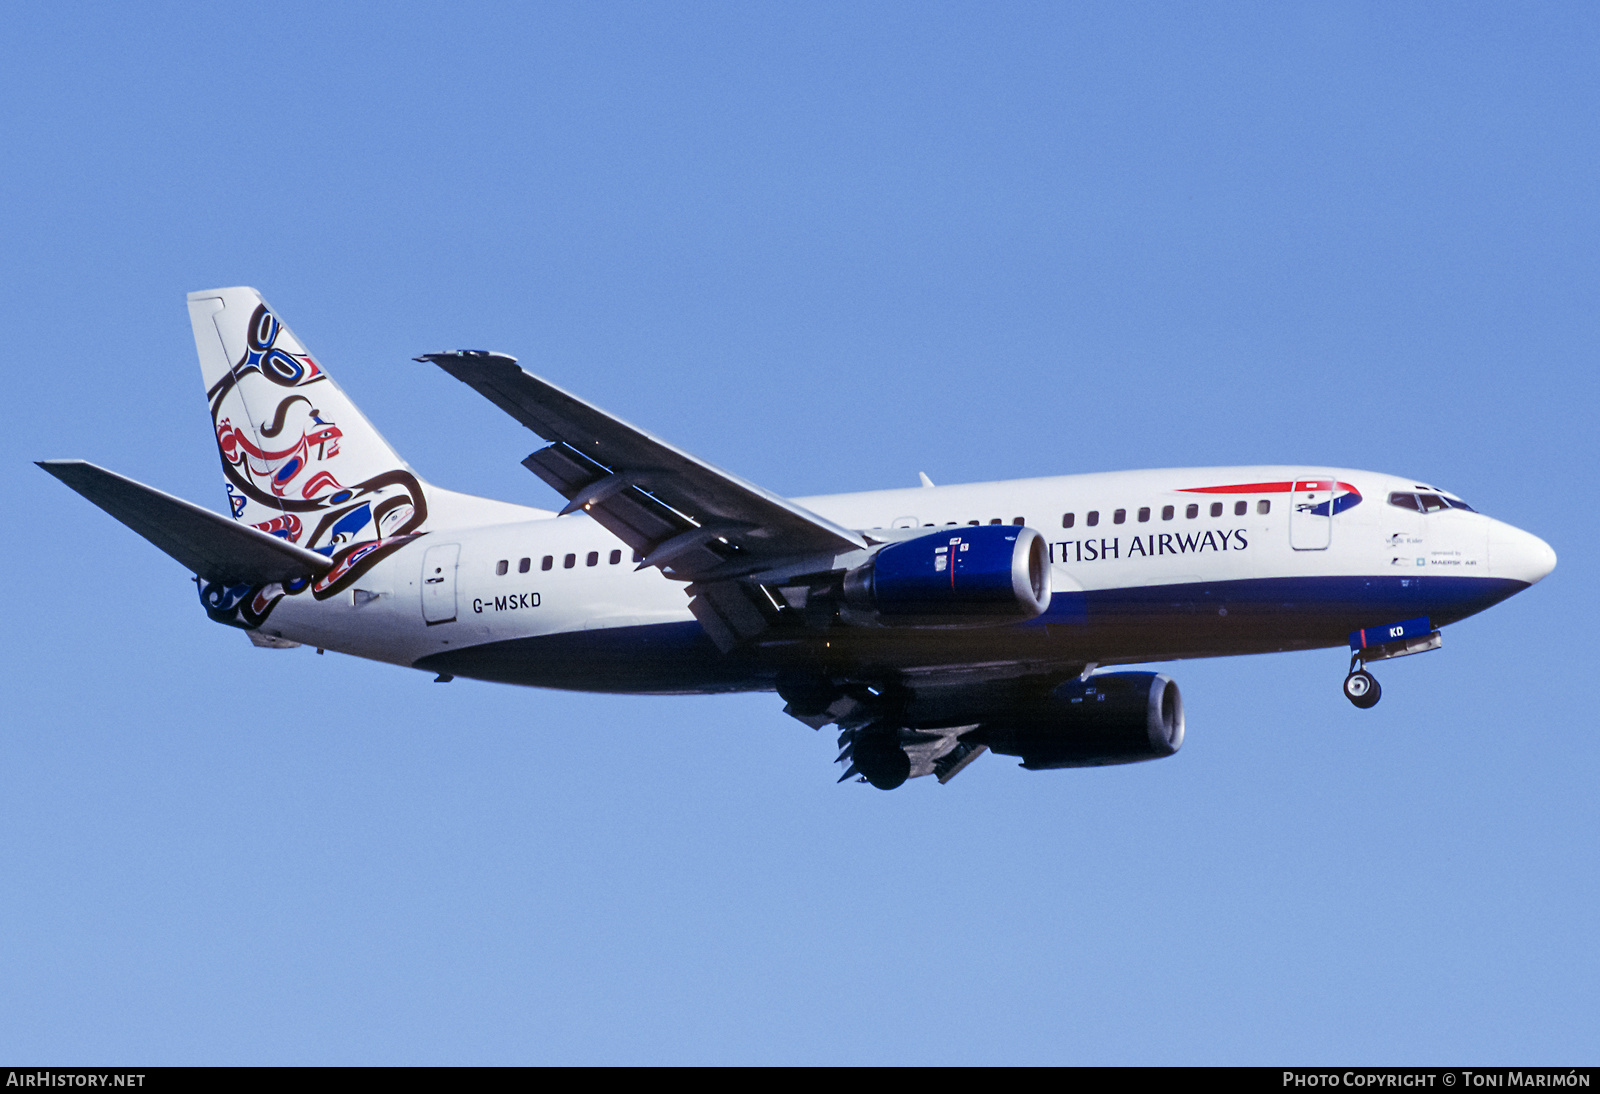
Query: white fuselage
(1196, 529)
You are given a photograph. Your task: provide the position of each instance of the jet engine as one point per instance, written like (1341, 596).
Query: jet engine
(970, 576)
(1112, 718)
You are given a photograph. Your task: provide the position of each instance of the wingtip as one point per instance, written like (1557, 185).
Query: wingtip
(55, 467)
(468, 354)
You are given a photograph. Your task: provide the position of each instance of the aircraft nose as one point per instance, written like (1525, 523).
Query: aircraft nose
(1519, 555)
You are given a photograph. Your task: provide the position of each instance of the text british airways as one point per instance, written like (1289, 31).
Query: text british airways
(1148, 546)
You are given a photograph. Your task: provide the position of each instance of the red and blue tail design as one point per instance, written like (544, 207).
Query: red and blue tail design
(298, 459)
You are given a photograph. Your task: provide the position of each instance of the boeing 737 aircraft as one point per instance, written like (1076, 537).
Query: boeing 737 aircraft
(929, 624)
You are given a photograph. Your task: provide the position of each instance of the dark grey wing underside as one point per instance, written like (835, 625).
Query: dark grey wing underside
(694, 521)
(602, 463)
(209, 545)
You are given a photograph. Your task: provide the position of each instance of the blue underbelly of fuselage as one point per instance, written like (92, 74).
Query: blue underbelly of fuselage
(1108, 626)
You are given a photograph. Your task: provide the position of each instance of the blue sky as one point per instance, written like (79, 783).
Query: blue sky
(825, 246)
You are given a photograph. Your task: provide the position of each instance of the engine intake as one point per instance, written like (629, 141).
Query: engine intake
(958, 576)
(1112, 718)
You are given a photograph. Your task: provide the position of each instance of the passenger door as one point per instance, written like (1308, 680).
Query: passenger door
(439, 583)
(1311, 515)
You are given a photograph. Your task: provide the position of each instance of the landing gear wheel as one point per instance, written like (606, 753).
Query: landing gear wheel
(1362, 689)
(879, 757)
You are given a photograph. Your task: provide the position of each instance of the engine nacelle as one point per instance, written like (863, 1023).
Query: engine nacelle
(958, 576)
(1112, 718)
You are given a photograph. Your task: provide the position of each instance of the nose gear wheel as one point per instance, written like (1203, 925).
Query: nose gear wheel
(1362, 689)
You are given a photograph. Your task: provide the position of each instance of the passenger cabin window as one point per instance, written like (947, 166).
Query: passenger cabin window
(1018, 521)
(1166, 512)
(1119, 517)
(569, 562)
(1191, 512)
(1216, 508)
(500, 568)
(1093, 518)
(1240, 508)
(616, 557)
(593, 559)
(1263, 507)
(1144, 515)
(997, 520)
(546, 562)
(525, 565)
(1067, 519)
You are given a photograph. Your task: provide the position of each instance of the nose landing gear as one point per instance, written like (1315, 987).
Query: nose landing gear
(1380, 644)
(1361, 687)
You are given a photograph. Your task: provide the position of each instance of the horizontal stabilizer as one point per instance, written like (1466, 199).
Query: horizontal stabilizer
(208, 544)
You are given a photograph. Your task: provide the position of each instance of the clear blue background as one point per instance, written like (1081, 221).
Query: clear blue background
(826, 246)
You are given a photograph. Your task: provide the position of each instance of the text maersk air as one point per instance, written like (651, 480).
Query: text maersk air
(1150, 546)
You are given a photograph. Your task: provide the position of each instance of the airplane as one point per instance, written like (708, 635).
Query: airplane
(929, 624)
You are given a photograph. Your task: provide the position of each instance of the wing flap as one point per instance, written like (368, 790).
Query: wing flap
(633, 516)
(206, 543)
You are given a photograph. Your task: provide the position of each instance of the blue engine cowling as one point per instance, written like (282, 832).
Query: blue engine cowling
(966, 575)
(1111, 718)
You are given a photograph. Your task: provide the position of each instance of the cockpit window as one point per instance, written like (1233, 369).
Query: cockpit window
(1427, 503)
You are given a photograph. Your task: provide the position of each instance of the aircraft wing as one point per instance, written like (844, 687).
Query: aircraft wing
(209, 545)
(695, 521)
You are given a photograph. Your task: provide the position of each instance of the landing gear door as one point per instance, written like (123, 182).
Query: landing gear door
(439, 583)
(1311, 515)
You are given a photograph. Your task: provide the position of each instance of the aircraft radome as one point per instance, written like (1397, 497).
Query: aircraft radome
(929, 624)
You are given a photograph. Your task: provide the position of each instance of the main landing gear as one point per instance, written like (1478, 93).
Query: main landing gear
(1361, 687)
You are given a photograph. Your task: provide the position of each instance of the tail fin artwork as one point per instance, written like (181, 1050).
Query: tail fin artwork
(301, 462)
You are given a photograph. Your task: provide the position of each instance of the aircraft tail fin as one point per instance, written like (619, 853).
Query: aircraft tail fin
(301, 462)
